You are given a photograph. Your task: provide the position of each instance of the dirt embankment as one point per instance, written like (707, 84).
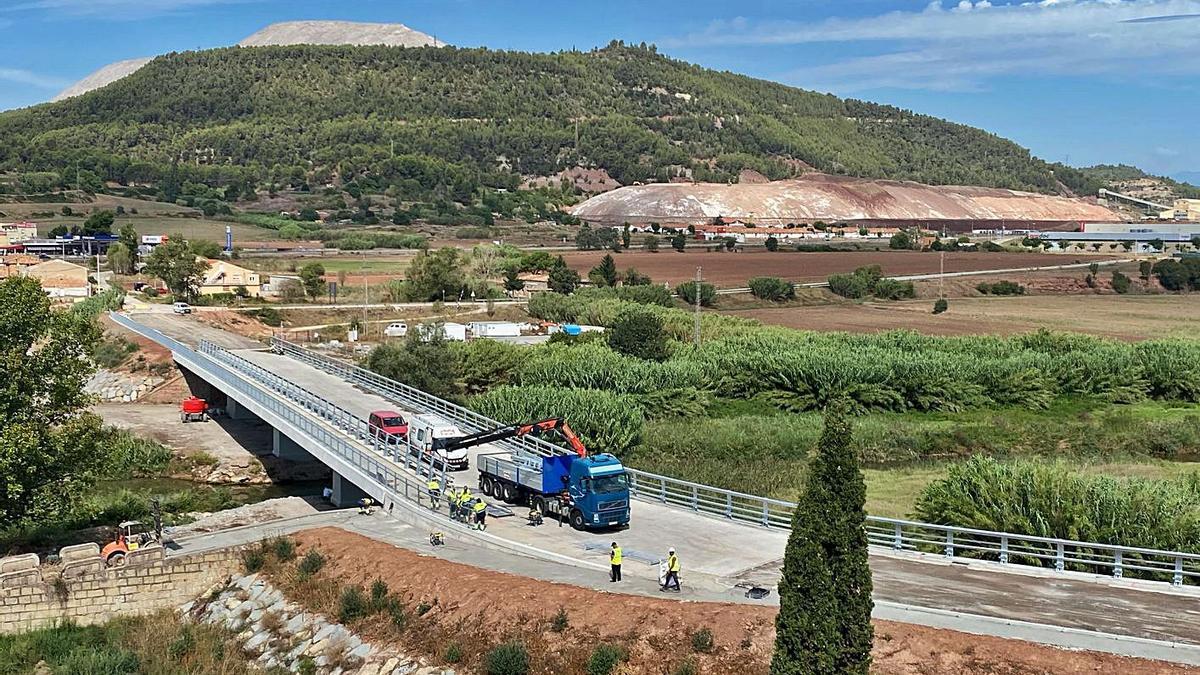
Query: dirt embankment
(480, 608)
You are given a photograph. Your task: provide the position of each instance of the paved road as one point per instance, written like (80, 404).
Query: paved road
(190, 330)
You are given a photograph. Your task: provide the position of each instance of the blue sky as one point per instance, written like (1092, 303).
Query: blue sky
(1084, 81)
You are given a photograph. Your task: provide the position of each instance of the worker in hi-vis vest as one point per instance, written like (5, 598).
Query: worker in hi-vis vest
(480, 514)
(614, 559)
(672, 571)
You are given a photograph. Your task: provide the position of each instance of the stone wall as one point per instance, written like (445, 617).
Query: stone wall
(82, 589)
(115, 387)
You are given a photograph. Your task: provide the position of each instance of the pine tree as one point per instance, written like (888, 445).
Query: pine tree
(562, 279)
(824, 622)
(604, 274)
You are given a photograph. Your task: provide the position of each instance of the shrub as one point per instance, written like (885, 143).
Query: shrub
(890, 289)
(702, 640)
(1001, 288)
(686, 667)
(379, 595)
(604, 659)
(1120, 283)
(645, 295)
(772, 243)
(992, 247)
(510, 658)
(283, 548)
(310, 564)
(687, 291)
(605, 421)
(270, 316)
(453, 653)
(901, 240)
(940, 306)
(306, 666)
(352, 605)
(560, 621)
(423, 608)
(772, 288)
(638, 333)
(253, 560)
(849, 286)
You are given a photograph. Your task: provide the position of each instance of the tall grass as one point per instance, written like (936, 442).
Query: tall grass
(1053, 499)
(606, 422)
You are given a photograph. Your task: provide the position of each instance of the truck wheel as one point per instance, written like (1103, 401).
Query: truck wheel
(539, 505)
(116, 559)
(510, 494)
(486, 485)
(577, 521)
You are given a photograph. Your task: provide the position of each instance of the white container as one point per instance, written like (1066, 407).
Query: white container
(495, 329)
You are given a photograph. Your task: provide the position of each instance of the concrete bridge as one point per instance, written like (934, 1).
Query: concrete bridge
(318, 408)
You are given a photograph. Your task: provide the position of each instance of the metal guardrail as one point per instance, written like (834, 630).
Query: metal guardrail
(897, 534)
(332, 430)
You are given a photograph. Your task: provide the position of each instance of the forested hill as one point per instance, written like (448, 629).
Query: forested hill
(456, 119)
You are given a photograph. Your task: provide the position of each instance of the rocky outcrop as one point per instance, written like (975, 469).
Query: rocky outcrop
(114, 387)
(283, 635)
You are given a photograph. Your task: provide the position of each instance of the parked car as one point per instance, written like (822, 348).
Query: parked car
(396, 329)
(389, 421)
(181, 308)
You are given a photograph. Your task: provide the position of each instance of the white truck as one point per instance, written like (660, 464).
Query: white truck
(428, 433)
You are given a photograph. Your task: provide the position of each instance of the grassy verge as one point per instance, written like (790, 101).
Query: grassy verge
(159, 644)
(744, 447)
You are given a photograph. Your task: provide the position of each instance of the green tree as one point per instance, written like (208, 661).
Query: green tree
(650, 243)
(1145, 268)
(1120, 283)
(100, 222)
(176, 264)
(435, 275)
(129, 239)
(512, 282)
(632, 277)
(423, 360)
(902, 240)
(772, 288)
(940, 305)
(562, 279)
(637, 331)
(824, 621)
(308, 214)
(51, 448)
(58, 231)
(679, 241)
(119, 259)
(66, 211)
(687, 291)
(312, 277)
(625, 236)
(206, 248)
(605, 274)
(1127, 245)
(772, 244)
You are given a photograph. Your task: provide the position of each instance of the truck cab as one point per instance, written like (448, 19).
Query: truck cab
(599, 488)
(427, 434)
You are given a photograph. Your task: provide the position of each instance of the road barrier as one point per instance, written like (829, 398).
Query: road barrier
(897, 534)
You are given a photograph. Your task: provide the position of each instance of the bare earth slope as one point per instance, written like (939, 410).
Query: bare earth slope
(285, 33)
(832, 198)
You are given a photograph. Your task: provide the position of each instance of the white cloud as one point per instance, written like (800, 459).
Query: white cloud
(961, 48)
(19, 76)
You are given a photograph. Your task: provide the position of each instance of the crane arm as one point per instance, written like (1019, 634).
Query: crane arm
(557, 424)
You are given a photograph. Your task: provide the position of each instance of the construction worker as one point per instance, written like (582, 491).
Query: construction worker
(672, 571)
(480, 514)
(464, 504)
(614, 559)
(435, 489)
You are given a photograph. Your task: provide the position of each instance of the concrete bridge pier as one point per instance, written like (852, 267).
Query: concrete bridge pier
(236, 411)
(345, 493)
(285, 448)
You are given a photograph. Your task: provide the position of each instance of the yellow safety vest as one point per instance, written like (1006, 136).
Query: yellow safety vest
(673, 563)
(616, 556)
(464, 498)
(433, 485)
(480, 506)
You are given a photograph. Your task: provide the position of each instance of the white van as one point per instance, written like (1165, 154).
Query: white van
(428, 433)
(396, 329)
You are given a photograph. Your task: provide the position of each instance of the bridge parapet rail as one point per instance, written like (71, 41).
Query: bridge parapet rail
(897, 534)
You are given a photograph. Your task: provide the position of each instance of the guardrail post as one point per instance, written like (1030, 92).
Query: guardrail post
(897, 536)
(1118, 560)
(662, 490)
(729, 505)
(1004, 549)
(949, 543)
(1177, 579)
(1059, 557)
(695, 498)
(766, 514)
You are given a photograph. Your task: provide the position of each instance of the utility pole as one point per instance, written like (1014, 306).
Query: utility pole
(942, 274)
(697, 313)
(364, 276)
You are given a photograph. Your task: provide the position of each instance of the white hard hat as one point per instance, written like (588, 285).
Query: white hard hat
(670, 550)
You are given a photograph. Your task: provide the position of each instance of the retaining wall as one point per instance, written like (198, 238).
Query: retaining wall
(81, 589)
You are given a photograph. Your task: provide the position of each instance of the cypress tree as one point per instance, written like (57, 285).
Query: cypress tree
(824, 621)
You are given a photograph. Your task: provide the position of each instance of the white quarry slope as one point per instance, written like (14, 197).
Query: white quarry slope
(339, 33)
(106, 75)
(286, 33)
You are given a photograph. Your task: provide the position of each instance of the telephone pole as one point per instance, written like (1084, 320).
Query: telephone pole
(697, 313)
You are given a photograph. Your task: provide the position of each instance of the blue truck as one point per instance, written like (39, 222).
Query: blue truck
(590, 492)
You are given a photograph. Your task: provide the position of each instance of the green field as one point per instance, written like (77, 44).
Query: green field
(190, 228)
